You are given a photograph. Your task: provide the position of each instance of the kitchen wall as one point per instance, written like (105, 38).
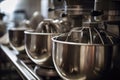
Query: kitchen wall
(9, 6)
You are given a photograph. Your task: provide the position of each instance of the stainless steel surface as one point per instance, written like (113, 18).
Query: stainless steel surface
(38, 44)
(25, 72)
(36, 19)
(86, 52)
(16, 38)
(111, 8)
(77, 9)
(38, 47)
(60, 25)
(48, 26)
(64, 23)
(79, 5)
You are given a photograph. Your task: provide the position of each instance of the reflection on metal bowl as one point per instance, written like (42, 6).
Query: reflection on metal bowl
(86, 52)
(16, 38)
(38, 47)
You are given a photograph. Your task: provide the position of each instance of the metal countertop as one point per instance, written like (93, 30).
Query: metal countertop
(25, 72)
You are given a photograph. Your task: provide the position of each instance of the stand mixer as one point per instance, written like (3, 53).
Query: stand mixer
(87, 52)
(38, 45)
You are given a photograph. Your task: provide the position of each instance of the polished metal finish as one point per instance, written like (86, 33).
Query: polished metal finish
(65, 24)
(86, 52)
(38, 43)
(48, 26)
(16, 38)
(35, 19)
(38, 47)
(61, 25)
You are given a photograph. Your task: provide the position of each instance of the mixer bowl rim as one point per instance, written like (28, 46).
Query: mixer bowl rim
(37, 33)
(17, 29)
(54, 39)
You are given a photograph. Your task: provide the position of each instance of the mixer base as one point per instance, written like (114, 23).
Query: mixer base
(46, 73)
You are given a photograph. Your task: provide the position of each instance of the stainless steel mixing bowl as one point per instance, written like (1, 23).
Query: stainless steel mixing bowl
(86, 52)
(38, 47)
(16, 38)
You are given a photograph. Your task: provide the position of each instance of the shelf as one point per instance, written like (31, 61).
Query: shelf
(25, 72)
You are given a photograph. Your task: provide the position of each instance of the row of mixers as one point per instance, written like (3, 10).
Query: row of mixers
(67, 47)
